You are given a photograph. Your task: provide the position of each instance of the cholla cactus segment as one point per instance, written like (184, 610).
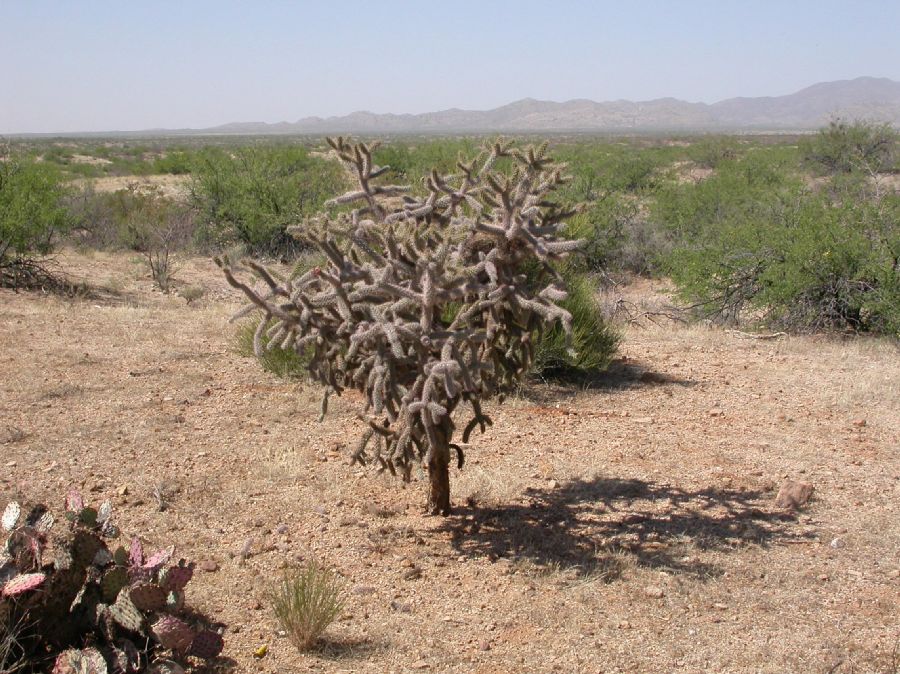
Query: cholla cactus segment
(173, 633)
(24, 582)
(11, 516)
(207, 645)
(425, 304)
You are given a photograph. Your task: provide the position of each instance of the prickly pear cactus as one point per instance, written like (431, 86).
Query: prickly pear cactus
(75, 589)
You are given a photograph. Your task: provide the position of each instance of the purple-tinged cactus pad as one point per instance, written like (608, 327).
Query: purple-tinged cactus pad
(159, 558)
(74, 501)
(44, 523)
(11, 516)
(24, 582)
(177, 577)
(148, 597)
(126, 614)
(207, 644)
(165, 667)
(113, 581)
(74, 661)
(173, 633)
(136, 552)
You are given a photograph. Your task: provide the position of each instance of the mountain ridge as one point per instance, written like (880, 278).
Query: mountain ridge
(872, 98)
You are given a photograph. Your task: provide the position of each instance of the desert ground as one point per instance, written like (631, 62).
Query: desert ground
(625, 526)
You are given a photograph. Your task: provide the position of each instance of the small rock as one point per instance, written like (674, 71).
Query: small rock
(123, 490)
(859, 423)
(10, 464)
(235, 629)
(552, 484)
(654, 592)
(793, 495)
(643, 420)
(208, 565)
(894, 573)
(837, 543)
(716, 412)
(720, 606)
(624, 625)
(255, 605)
(412, 574)
(420, 664)
(400, 607)
(364, 589)
(485, 646)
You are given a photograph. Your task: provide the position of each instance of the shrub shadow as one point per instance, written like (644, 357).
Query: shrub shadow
(340, 648)
(589, 527)
(621, 375)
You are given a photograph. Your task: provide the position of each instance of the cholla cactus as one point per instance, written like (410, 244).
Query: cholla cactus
(425, 303)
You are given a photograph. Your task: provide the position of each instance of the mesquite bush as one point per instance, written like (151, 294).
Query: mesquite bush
(426, 304)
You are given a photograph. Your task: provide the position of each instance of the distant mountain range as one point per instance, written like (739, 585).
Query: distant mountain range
(868, 98)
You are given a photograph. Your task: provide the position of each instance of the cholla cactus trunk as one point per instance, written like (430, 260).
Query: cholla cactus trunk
(426, 303)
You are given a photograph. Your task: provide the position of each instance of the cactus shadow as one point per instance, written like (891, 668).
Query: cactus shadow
(599, 526)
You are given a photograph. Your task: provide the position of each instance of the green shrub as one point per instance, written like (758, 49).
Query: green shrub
(32, 212)
(306, 602)
(847, 147)
(594, 341)
(809, 265)
(252, 195)
(283, 363)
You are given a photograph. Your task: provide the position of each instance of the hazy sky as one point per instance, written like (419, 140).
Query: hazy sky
(86, 65)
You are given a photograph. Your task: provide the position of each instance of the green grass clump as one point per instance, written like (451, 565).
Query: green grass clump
(283, 363)
(593, 339)
(306, 602)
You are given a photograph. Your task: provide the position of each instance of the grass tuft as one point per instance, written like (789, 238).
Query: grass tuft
(306, 601)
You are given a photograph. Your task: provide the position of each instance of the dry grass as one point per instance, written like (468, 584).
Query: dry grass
(622, 527)
(306, 602)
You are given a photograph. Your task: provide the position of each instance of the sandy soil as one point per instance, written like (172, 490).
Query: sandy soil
(629, 526)
(172, 186)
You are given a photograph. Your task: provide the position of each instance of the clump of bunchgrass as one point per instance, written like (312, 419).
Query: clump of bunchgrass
(306, 601)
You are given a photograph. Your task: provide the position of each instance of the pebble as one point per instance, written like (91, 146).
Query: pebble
(654, 592)
(208, 565)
